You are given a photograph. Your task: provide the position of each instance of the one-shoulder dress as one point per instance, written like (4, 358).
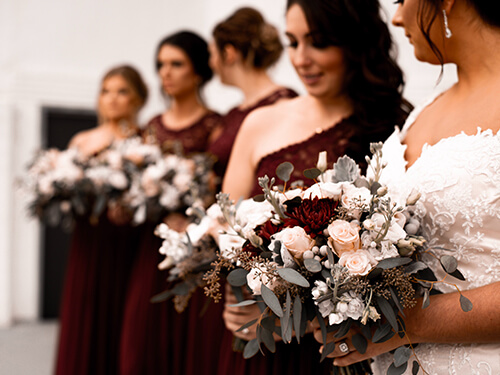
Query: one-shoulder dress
(349, 137)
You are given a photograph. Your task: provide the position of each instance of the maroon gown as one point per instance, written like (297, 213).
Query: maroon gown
(156, 339)
(346, 137)
(99, 264)
(223, 145)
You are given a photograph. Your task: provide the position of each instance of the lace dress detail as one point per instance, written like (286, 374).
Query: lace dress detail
(348, 137)
(459, 179)
(194, 138)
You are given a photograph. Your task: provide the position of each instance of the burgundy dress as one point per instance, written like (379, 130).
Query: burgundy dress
(99, 264)
(346, 137)
(156, 339)
(223, 145)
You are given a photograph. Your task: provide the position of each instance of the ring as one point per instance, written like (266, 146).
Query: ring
(343, 347)
(245, 331)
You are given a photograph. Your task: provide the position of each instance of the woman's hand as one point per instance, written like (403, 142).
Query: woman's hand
(235, 317)
(176, 221)
(118, 215)
(346, 354)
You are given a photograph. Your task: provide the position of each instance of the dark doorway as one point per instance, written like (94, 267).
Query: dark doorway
(58, 126)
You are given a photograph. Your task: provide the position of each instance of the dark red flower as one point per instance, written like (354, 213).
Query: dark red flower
(313, 215)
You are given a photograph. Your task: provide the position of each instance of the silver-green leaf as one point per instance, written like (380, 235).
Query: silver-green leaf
(293, 277)
(271, 300)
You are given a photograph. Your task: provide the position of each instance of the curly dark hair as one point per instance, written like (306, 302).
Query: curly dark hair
(428, 11)
(248, 32)
(374, 82)
(195, 47)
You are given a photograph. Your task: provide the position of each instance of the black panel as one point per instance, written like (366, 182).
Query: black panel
(58, 126)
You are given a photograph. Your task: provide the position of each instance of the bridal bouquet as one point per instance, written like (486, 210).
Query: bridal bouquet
(343, 250)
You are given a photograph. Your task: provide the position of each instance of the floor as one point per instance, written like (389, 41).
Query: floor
(28, 349)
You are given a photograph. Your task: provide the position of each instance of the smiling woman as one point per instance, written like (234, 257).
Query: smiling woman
(341, 50)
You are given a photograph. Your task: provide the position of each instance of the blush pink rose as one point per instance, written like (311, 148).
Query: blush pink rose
(358, 262)
(296, 240)
(344, 236)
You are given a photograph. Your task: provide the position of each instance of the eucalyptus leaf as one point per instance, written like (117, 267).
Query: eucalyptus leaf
(381, 332)
(401, 356)
(449, 263)
(246, 325)
(251, 348)
(362, 182)
(415, 267)
(360, 343)
(163, 296)
(457, 274)
(267, 338)
(387, 310)
(366, 331)
(271, 300)
(312, 173)
(259, 198)
(343, 328)
(415, 367)
(269, 323)
(327, 349)
(247, 302)
(284, 171)
(375, 186)
(393, 370)
(312, 265)
(395, 298)
(297, 316)
(425, 300)
(465, 303)
(393, 262)
(293, 277)
(322, 326)
(237, 277)
(285, 321)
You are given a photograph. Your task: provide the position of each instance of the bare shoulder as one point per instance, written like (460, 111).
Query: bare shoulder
(272, 115)
(81, 137)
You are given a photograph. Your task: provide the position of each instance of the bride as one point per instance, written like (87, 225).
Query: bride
(450, 151)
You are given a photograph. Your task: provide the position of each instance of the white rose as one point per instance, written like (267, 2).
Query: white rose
(258, 276)
(355, 199)
(344, 236)
(250, 213)
(358, 262)
(324, 190)
(288, 195)
(118, 180)
(395, 232)
(228, 243)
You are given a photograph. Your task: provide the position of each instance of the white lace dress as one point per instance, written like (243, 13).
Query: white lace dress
(459, 178)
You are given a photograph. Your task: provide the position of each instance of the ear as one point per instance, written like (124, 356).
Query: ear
(448, 5)
(230, 54)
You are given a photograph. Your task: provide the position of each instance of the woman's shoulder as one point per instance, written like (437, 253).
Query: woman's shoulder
(83, 137)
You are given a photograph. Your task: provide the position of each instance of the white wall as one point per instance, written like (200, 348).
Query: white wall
(53, 52)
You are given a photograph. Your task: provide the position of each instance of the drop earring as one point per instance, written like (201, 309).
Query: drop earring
(447, 31)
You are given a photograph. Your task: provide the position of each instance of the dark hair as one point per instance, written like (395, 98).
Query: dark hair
(247, 31)
(428, 11)
(195, 47)
(133, 78)
(374, 82)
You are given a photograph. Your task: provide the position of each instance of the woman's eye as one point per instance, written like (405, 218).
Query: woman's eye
(177, 63)
(399, 2)
(293, 44)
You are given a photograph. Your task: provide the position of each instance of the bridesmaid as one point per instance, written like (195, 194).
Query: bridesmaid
(101, 255)
(341, 51)
(244, 47)
(156, 339)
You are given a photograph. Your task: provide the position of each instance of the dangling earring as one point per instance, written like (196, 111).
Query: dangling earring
(447, 31)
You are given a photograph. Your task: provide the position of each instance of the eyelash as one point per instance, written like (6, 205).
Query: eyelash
(399, 2)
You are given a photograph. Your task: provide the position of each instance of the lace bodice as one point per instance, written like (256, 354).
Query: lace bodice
(193, 138)
(459, 179)
(348, 137)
